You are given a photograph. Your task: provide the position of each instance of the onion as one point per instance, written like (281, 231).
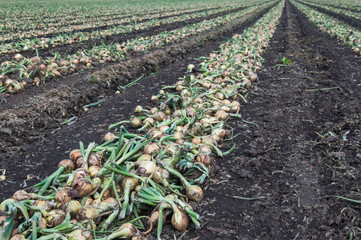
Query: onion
(246, 82)
(68, 165)
(252, 76)
(219, 95)
(80, 234)
(109, 136)
(194, 193)
(219, 132)
(151, 149)
(81, 187)
(146, 168)
(159, 116)
(125, 231)
(55, 217)
(190, 67)
(154, 133)
(80, 162)
(80, 173)
(94, 159)
(205, 149)
(87, 212)
(191, 112)
(75, 155)
(135, 122)
(93, 171)
(73, 207)
(204, 158)
(154, 98)
(18, 237)
(154, 218)
(43, 205)
(221, 115)
(153, 111)
(208, 141)
(160, 175)
(179, 219)
(196, 140)
(63, 195)
(138, 109)
(144, 157)
(163, 128)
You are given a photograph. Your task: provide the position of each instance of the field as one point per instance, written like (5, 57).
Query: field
(231, 119)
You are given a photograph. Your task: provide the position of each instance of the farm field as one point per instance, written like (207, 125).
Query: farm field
(232, 120)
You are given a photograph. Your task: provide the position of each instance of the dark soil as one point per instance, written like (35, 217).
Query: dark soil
(299, 141)
(30, 132)
(356, 23)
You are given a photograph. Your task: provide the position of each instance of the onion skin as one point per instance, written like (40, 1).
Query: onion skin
(63, 195)
(55, 217)
(146, 168)
(73, 207)
(67, 164)
(81, 188)
(126, 231)
(194, 193)
(18, 237)
(109, 136)
(151, 149)
(179, 220)
(80, 234)
(74, 155)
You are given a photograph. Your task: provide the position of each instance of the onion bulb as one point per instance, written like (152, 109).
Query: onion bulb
(109, 136)
(81, 187)
(179, 219)
(146, 168)
(125, 231)
(135, 122)
(194, 193)
(55, 217)
(80, 234)
(74, 155)
(160, 175)
(73, 207)
(63, 195)
(151, 149)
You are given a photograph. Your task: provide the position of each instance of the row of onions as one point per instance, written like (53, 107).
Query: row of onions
(346, 34)
(349, 4)
(52, 11)
(67, 35)
(345, 12)
(135, 180)
(35, 69)
(57, 25)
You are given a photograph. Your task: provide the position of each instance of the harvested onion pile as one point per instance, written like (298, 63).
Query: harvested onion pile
(134, 181)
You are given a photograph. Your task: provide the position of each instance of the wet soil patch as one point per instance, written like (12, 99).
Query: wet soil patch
(29, 141)
(286, 160)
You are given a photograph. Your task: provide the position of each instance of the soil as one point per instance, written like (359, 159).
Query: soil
(298, 142)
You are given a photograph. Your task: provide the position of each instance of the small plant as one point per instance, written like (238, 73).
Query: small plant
(284, 62)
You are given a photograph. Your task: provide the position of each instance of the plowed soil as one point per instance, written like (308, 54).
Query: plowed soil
(299, 141)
